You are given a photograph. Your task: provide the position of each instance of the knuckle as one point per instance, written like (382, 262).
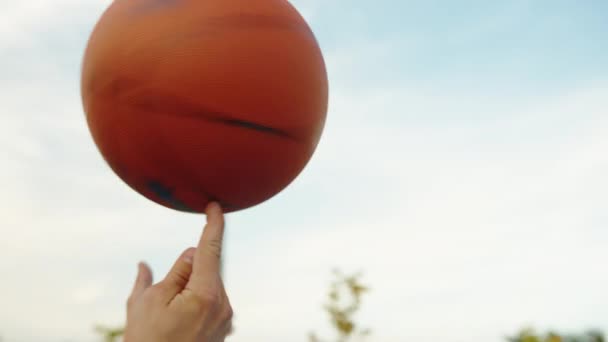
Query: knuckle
(209, 299)
(227, 314)
(180, 276)
(214, 247)
(201, 303)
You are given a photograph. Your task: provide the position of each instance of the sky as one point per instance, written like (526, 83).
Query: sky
(462, 170)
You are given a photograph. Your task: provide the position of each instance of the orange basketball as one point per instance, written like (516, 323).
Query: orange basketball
(192, 101)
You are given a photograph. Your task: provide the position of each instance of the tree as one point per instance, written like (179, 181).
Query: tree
(110, 334)
(344, 301)
(529, 335)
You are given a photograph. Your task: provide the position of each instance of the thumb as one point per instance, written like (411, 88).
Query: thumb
(178, 276)
(142, 282)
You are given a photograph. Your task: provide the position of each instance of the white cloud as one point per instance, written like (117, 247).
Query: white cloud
(476, 245)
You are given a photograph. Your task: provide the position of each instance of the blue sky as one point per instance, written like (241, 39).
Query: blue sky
(471, 42)
(463, 169)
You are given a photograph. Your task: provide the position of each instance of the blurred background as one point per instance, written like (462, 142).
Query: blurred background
(463, 170)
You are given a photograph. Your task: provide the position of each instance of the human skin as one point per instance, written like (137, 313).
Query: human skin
(190, 304)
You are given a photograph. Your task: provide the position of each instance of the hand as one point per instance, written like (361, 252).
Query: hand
(190, 304)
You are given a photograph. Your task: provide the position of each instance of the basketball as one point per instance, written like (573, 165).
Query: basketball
(193, 101)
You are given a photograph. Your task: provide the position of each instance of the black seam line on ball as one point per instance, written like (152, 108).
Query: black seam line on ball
(166, 195)
(254, 126)
(223, 118)
(188, 110)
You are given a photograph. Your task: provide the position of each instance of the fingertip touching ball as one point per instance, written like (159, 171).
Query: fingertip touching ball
(192, 101)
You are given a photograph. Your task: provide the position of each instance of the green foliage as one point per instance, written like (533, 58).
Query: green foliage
(343, 302)
(529, 335)
(110, 334)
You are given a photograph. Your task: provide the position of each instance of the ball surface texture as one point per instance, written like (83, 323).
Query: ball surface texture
(192, 101)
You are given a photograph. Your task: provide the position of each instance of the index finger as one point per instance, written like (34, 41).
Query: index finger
(207, 259)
